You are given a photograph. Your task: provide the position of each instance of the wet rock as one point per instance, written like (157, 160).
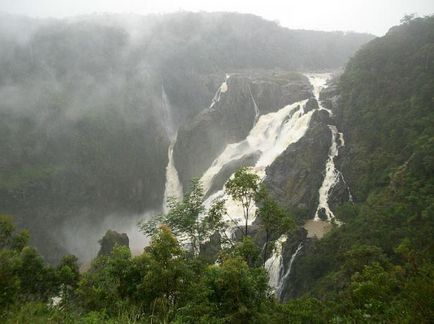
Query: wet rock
(311, 104)
(201, 140)
(223, 175)
(110, 240)
(296, 175)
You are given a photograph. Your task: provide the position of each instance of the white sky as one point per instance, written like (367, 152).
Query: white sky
(373, 16)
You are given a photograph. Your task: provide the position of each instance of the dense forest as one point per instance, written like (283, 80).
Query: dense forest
(376, 266)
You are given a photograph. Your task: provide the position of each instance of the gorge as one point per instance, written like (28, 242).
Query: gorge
(106, 118)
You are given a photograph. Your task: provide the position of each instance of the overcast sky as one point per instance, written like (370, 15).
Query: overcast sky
(373, 16)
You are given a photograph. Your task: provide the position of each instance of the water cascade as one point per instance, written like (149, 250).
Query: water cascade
(222, 89)
(283, 279)
(173, 187)
(270, 136)
(331, 176)
(274, 264)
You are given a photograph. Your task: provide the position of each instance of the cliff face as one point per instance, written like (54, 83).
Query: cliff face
(295, 176)
(245, 97)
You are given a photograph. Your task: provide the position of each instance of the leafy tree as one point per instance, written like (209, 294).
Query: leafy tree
(188, 218)
(9, 279)
(273, 218)
(167, 277)
(68, 276)
(236, 291)
(243, 187)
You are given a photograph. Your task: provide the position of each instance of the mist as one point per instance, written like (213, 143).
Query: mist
(374, 17)
(81, 235)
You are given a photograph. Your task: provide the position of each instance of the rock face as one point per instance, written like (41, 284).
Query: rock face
(295, 176)
(110, 240)
(246, 96)
(221, 177)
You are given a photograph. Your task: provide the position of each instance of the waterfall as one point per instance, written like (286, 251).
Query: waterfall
(255, 106)
(173, 186)
(270, 136)
(274, 264)
(282, 281)
(331, 176)
(167, 118)
(222, 89)
(275, 267)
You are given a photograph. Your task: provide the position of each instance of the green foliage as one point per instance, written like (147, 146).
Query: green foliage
(237, 290)
(188, 218)
(273, 218)
(243, 187)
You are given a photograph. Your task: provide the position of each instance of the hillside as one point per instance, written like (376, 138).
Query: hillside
(379, 263)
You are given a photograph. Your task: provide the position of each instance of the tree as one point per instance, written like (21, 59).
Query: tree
(243, 188)
(167, 277)
(235, 290)
(68, 276)
(188, 219)
(273, 217)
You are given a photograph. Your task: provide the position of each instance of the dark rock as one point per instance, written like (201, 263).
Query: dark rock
(311, 104)
(110, 240)
(339, 194)
(322, 214)
(296, 175)
(200, 141)
(223, 175)
(210, 250)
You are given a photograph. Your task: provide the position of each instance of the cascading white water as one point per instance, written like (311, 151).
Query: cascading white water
(222, 89)
(270, 136)
(173, 186)
(255, 106)
(275, 267)
(274, 264)
(166, 110)
(331, 176)
(283, 279)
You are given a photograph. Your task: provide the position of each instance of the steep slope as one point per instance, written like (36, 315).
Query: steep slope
(384, 104)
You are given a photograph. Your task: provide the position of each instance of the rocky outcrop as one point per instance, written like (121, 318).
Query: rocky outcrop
(295, 176)
(248, 95)
(110, 240)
